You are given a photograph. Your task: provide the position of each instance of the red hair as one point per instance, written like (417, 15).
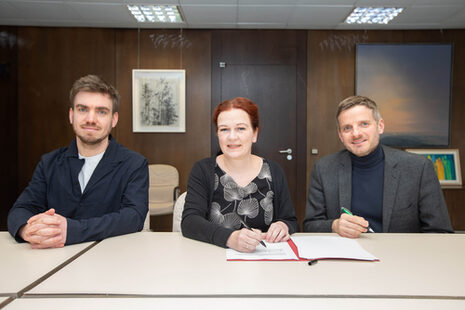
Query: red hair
(238, 103)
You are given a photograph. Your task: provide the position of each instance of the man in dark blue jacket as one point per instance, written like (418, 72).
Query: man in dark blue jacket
(93, 189)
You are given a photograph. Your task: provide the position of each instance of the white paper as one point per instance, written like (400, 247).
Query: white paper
(273, 251)
(319, 247)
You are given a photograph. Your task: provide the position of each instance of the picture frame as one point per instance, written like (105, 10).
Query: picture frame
(446, 163)
(412, 86)
(158, 101)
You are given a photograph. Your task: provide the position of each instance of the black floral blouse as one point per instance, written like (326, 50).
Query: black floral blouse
(253, 203)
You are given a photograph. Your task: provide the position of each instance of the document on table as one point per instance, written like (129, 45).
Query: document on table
(321, 247)
(273, 251)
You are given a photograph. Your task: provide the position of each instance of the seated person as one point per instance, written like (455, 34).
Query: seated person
(237, 185)
(90, 190)
(386, 189)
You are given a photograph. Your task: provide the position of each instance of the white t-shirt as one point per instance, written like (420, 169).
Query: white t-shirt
(88, 168)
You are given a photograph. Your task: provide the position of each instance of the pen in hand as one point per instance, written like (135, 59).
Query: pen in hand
(350, 213)
(248, 227)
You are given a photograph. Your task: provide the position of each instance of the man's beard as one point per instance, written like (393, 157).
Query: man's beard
(92, 140)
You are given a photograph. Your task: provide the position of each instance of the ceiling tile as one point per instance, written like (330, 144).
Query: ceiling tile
(217, 26)
(384, 3)
(261, 25)
(103, 12)
(44, 10)
(269, 14)
(319, 15)
(426, 14)
(456, 19)
(206, 14)
(7, 10)
(212, 2)
(266, 2)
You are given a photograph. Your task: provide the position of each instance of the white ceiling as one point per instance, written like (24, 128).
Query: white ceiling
(275, 14)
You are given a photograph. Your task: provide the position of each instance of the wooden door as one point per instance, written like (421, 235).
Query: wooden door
(263, 66)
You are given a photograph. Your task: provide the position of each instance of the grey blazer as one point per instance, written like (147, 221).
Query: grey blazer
(412, 198)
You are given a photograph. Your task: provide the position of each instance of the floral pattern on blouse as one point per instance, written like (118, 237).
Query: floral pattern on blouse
(253, 202)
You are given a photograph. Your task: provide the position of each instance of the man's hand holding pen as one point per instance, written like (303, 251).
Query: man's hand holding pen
(350, 226)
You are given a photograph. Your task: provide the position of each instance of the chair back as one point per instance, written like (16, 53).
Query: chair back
(163, 188)
(147, 222)
(177, 212)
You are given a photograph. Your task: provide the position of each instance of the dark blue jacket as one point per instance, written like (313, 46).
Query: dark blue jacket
(114, 202)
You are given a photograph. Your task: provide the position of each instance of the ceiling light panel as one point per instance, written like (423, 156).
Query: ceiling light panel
(155, 13)
(372, 15)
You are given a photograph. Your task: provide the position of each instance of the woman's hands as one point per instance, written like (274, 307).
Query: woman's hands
(278, 232)
(246, 240)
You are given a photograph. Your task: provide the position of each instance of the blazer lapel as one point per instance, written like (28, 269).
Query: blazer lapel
(102, 169)
(391, 177)
(345, 181)
(74, 164)
(108, 162)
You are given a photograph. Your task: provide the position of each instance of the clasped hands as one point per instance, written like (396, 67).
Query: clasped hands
(45, 230)
(350, 226)
(245, 240)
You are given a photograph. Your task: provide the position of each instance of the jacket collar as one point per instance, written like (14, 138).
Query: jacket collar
(391, 176)
(391, 182)
(345, 180)
(110, 159)
(111, 153)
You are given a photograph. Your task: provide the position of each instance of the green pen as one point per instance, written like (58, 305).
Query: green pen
(350, 213)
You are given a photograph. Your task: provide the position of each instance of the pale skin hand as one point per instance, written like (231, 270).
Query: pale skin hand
(278, 232)
(350, 226)
(45, 230)
(244, 240)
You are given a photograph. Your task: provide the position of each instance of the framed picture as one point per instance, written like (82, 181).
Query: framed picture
(411, 83)
(158, 101)
(446, 163)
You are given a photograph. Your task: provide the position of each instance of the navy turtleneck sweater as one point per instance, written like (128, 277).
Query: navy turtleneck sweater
(367, 187)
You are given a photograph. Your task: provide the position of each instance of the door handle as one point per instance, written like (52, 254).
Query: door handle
(288, 151)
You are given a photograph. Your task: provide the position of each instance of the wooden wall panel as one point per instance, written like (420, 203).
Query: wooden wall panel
(168, 49)
(8, 120)
(49, 61)
(331, 78)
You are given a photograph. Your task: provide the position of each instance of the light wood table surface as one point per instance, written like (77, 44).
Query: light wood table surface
(233, 303)
(167, 264)
(21, 266)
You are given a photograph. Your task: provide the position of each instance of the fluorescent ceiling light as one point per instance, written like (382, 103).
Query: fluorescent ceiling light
(155, 13)
(370, 15)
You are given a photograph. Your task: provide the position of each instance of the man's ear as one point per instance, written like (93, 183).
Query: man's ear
(114, 120)
(71, 115)
(381, 126)
(339, 133)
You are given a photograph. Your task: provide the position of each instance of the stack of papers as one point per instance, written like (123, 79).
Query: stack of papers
(273, 251)
(306, 248)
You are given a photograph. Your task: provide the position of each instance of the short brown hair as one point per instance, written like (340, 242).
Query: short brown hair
(353, 101)
(238, 103)
(94, 84)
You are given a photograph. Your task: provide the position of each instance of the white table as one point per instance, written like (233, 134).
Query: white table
(167, 264)
(2, 300)
(21, 266)
(232, 303)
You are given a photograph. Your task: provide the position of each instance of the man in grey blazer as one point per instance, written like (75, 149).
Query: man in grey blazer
(386, 189)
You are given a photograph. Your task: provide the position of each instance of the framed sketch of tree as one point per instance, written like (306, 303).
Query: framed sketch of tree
(158, 101)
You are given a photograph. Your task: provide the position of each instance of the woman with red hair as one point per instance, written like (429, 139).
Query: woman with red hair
(237, 187)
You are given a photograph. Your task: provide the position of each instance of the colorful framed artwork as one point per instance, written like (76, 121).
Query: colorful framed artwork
(446, 163)
(158, 100)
